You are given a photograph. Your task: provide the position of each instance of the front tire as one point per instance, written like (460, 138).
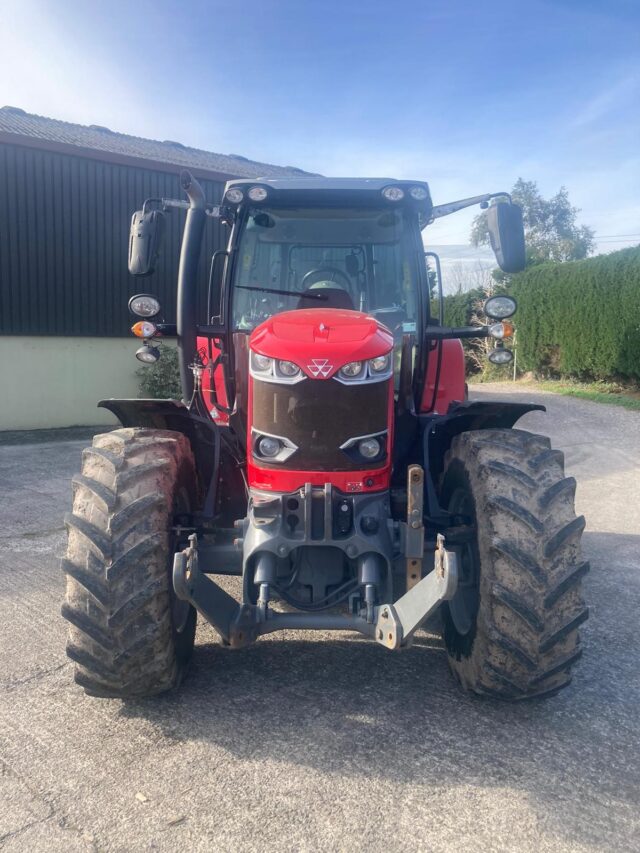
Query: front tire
(511, 630)
(129, 636)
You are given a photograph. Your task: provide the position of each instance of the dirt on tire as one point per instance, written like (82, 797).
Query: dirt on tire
(119, 601)
(524, 639)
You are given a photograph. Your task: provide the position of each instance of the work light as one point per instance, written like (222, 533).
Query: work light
(257, 193)
(148, 354)
(144, 305)
(393, 193)
(500, 355)
(419, 193)
(500, 307)
(234, 195)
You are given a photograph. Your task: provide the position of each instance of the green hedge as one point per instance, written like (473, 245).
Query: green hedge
(581, 318)
(577, 319)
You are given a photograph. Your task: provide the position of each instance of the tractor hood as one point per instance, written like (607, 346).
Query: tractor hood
(321, 340)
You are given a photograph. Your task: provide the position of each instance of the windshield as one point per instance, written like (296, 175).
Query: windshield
(362, 259)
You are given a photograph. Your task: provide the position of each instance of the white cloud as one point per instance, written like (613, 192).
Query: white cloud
(621, 93)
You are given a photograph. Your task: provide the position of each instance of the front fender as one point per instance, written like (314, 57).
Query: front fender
(440, 430)
(173, 415)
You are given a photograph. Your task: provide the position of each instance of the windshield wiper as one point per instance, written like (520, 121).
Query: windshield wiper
(299, 293)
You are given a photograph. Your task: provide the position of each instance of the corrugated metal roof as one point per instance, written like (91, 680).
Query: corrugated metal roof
(16, 121)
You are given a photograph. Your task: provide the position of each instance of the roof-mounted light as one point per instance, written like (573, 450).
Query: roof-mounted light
(234, 195)
(393, 193)
(257, 193)
(419, 193)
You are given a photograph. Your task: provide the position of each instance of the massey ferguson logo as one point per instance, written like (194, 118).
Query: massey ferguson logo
(319, 367)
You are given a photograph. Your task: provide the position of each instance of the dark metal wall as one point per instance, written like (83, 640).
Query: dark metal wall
(64, 229)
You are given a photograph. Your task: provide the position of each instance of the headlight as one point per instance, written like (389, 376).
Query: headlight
(147, 354)
(393, 193)
(268, 446)
(234, 195)
(352, 370)
(275, 448)
(500, 356)
(500, 307)
(257, 193)
(143, 329)
(144, 305)
(287, 368)
(380, 364)
(261, 363)
(419, 193)
(369, 448)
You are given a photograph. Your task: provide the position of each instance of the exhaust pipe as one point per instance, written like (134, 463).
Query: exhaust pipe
(187, 280)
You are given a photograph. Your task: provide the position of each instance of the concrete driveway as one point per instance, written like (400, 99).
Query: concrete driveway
(316, 742)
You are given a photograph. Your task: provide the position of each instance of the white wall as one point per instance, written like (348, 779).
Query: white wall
(50, 382)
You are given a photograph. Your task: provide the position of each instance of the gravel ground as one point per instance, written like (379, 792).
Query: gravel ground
(314, 742)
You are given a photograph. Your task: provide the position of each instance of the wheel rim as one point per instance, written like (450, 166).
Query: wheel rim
(463, 607)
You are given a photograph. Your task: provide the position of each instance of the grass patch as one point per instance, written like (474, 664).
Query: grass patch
(594, 393)
(611, 393)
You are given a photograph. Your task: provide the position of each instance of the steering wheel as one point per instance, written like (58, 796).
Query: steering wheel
(392, 317)
(333, 271)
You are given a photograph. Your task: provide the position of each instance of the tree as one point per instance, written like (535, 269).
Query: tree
(551, 231)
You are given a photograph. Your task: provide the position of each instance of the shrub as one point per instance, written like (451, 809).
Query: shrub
(162, 379)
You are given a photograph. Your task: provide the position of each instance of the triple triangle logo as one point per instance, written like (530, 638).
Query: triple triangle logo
(320, 367)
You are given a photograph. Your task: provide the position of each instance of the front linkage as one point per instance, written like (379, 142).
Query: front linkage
(391, 625)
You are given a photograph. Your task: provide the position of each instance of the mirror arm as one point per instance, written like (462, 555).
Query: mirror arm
(167, 204)
(453, 206)
(442, 333)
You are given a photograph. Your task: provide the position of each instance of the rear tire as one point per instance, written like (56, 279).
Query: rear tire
(511, 631)
(129, 635)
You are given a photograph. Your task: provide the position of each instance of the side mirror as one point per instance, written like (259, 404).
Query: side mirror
(145, 239)
(506, 232)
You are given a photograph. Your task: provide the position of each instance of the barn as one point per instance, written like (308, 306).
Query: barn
(67, 193)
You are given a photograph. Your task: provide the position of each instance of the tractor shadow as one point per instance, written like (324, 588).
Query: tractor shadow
(350, 707)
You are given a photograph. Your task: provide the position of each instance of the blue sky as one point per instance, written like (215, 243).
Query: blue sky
(466, 94)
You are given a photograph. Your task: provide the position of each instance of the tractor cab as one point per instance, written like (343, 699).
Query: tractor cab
(319, 245)
(325, 245)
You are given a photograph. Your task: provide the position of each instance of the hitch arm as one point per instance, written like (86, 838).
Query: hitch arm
(398, 622)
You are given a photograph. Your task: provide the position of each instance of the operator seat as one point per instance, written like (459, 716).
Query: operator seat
(337, 297)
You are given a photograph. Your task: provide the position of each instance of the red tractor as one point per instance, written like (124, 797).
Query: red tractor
(325, 451)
